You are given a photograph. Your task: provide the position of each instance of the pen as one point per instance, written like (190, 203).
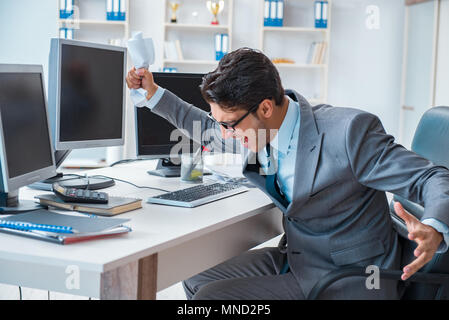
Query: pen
(25, 226)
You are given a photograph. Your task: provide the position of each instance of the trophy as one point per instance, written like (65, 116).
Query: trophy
(174, 5)
(215, 7)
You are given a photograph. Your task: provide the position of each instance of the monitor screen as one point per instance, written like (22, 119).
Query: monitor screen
(153, 132)
(24, 121)
(91, 93)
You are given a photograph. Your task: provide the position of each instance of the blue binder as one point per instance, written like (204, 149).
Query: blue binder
(266, 14)
(318, 14)
(224, 44)
(218, 47)
(65, 9)
(280, 13)
(109, 10)
(122, 10)
(324, 13)
(115, 9)
(321, 14)
(170, 69)
(273, 10)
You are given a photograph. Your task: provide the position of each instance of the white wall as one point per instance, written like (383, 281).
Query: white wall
(365, 65)
(26, 27)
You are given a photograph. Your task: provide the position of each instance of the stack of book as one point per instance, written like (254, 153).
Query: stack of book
(317, 53)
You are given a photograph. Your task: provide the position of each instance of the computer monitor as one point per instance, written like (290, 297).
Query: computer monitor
(153, 132)
(87, 99)
(87, 94)
(26, 152)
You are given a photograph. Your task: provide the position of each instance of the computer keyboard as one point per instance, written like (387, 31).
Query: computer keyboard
(198, 195)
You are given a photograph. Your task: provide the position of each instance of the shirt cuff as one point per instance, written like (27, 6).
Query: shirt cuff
(154, 100)
(440, 227)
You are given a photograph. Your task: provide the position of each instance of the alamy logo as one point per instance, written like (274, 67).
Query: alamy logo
(72, 282)
(372, 21)
(373, 280)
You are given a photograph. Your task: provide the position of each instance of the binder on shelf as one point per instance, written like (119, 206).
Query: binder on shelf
(266, 15)
(321, 12)
(65, 9)
(116, 10)
(69, 33)
(224, 44)
(221, 45)
(169, 69)
(109, 15)
(218, 47)
(66, 33)
(280, 13)
(318, 12)
(324, 11)
(273, 14)
(122, 12)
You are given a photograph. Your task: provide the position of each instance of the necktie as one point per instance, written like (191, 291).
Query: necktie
(271, 179)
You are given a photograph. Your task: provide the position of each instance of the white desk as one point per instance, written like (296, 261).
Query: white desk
(167, 244)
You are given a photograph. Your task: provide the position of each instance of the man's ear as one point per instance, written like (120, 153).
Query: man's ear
(266, 109)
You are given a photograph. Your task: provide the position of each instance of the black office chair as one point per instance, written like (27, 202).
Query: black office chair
(431, 141)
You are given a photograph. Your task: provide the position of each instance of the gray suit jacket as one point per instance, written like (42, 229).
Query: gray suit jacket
(339, 215)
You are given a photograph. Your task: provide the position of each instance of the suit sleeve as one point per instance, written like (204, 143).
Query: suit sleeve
(380, 163)
(194, 122)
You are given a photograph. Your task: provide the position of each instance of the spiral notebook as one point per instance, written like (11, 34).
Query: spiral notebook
(62, 228)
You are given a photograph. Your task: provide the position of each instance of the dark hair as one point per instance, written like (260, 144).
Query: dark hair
(243, 79)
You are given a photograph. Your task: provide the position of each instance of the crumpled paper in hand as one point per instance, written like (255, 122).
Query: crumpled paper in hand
(141, 51)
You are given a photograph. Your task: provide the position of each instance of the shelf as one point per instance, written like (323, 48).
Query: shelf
(300, 66)
(204, 27)
(192, 62)
(102, 22)
(295, 29)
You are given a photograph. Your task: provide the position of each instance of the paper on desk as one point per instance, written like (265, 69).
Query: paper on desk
(141, 51)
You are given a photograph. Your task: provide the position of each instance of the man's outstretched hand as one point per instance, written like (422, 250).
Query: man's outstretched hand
(427, 238)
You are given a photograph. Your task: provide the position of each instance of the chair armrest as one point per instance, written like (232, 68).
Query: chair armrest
(335, 275)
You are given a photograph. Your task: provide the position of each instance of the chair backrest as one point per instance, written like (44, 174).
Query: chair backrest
(431, 141)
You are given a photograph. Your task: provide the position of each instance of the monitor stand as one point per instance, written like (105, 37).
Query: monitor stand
(10, 204)
(71, 181)
(166, 168)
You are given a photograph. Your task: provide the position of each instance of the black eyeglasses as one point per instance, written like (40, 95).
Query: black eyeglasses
(231, 127)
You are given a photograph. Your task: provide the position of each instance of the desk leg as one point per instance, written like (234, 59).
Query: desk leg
(135, 280)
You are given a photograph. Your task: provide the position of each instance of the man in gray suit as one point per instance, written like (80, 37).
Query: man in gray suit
(326, 168)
